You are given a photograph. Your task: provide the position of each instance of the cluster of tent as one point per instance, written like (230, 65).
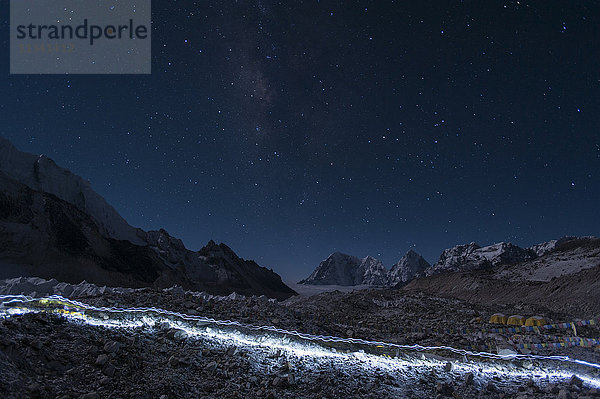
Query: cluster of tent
(517, 320)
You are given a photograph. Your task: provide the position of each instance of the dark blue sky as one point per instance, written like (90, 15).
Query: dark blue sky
(291, 130)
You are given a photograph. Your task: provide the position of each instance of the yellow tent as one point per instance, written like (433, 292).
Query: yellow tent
(515, 320)
(498, 318)
(535, 321)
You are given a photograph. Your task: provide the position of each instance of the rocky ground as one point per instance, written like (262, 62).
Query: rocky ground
(46, 356)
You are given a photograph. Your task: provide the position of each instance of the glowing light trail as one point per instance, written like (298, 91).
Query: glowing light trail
(384, 355)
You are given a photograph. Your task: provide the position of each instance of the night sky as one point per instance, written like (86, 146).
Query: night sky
(290, 130)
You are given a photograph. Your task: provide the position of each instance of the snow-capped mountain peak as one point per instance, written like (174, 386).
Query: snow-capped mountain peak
(407, 268)
(473, 257)
(343, 269)
(452, 258)
(373, 272)
(337, 269)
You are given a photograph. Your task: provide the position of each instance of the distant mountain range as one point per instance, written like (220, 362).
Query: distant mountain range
(53, 225)
(342, 269)
(563, 277)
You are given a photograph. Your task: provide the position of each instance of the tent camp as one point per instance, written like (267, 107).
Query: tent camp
(498, 318)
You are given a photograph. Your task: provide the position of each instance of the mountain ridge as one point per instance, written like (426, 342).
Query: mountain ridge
(348, 270)
(460, 258)
(44, 235)
(41, 173)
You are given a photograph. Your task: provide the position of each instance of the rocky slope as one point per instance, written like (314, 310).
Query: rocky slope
(50, 234)
(43, 355)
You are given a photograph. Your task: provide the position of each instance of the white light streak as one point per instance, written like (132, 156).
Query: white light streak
(369, 354)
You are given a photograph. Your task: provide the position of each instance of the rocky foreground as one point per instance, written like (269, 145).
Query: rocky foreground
(46, 356)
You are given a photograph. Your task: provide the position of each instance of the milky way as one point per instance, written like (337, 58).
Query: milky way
(291, 130)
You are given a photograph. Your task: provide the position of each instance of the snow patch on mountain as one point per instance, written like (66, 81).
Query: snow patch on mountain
(549, 246)
(544, 248)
